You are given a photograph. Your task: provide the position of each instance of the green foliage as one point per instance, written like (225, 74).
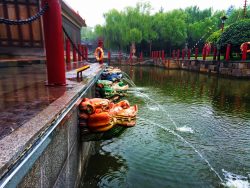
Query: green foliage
(236, 33)
(135, 35)
(200, 24)
(200, 28)
(214, 37)
(195, 14)
(170, 27)
(236, 15)
(87, 33)
(167, 30)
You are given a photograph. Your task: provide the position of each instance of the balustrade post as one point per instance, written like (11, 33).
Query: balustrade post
(215, 52)
(82, 50)
(79, 51)
(244, 52)
(74, 54)
(141, 56)
(173, 54)
(204, 53)
(189, 54)
(178, 54)
(228, 52)
(86, 53)
(109, 56)
(196, 53)
(67, 51)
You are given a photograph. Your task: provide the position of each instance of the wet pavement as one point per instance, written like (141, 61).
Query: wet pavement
(23, 94)
(29, 109)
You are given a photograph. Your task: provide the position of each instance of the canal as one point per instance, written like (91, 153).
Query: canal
(193, 130)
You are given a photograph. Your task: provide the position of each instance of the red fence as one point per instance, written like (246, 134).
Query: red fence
(206, 51)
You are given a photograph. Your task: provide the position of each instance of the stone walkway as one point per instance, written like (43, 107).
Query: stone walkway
(23, 94)
(29, 108)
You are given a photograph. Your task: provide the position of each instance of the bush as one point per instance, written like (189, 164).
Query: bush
(236, 34)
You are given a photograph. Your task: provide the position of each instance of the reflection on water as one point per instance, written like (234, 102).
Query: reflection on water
(192, 131)
(23, 94)
(106, 167)
(229, 96)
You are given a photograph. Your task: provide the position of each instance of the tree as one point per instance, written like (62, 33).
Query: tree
(163, 30)
(200, 24)
(194, 14)
(134, 35)
(214, 37)
(87, 33)
(236, 34)
(170, 28)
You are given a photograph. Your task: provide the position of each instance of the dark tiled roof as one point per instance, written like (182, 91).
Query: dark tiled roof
(70, 12)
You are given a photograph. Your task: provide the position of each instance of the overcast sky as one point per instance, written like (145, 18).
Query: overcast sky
(92, 10)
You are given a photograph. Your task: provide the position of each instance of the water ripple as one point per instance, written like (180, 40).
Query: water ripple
(187, 132)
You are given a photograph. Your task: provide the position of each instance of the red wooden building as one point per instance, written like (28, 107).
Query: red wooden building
(28, 39)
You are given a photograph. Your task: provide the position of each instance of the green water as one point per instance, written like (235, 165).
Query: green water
(193, 130)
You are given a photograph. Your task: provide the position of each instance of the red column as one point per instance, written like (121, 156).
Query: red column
(119, 55)
(79, 50)
(228, 52)
(244, 51)
(67, 51)
(178, 54)
(141, 58)
(159, 54)
(204, 53)
(215, 53)
(52, 24)
(183, 54)
(82, 50)
(74, 55)
(173, 54)
(196, 53)
(162, 55)
(86, 53)
(109, 55)
(189, 53)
